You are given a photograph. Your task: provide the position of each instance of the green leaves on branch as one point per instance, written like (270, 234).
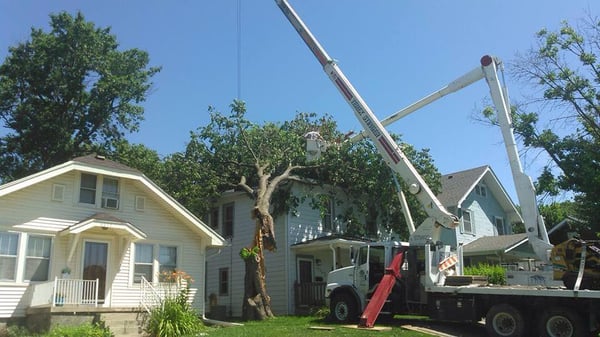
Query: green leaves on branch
(250, 253)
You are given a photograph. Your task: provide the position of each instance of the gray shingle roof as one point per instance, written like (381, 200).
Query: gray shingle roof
(97, 160)
(492, 244)
(455, 186)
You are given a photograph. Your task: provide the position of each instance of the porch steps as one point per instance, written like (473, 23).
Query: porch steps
(124, 324)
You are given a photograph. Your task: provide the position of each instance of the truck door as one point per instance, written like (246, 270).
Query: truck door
(361, 272)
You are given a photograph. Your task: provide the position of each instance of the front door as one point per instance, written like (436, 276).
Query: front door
(95, 263)
(305, 271)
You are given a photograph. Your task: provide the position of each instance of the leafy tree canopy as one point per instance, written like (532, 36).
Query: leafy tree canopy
(66, 93)
(564, 66)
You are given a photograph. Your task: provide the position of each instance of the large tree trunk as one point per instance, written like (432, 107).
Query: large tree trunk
(257, 303)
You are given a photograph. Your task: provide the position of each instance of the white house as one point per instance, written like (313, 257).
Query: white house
(311, 242)
(108, 225)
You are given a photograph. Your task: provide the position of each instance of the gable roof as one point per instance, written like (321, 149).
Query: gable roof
(457, 186)
(494, 244)
(100, 165)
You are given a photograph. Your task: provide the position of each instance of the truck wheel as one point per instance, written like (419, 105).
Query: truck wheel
(504, 320)
(343, 308)
(561, 322)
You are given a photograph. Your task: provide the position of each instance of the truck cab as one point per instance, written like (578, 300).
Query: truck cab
(349, 288)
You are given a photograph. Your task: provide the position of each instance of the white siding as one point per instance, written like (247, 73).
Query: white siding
(280, 265)
(31, 210)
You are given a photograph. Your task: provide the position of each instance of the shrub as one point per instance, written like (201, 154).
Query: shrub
(84, 330)
(495, 273)
(174, 317)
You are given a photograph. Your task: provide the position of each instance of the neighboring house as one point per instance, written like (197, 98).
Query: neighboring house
(112, 229)
(311, 241)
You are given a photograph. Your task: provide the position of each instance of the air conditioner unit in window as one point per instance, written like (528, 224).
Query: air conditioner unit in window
(110, 203)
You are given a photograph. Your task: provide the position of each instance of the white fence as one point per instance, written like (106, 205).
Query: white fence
(75, 292)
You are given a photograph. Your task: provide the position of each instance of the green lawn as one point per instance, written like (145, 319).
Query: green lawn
(303, 326)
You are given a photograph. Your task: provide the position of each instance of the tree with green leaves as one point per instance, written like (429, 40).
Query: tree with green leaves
(358, 170)
(66, 93)
(565, 66)
(264, 160)
(259, 160)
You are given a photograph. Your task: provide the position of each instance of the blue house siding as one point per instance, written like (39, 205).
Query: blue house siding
(484, 211)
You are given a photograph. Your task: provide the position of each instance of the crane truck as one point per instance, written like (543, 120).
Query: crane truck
(417, 279)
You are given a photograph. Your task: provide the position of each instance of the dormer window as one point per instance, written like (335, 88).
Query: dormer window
(481, 190)
(90, 192)
(110, 193)
(87, 190)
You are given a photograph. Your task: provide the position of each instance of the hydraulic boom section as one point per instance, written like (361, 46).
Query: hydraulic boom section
(387, 147)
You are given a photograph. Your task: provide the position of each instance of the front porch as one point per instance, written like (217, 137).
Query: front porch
(309, 296)
(77, 301)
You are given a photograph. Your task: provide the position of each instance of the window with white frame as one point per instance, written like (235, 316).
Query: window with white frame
(228, 215)
(9, 245)
(151, 260)
(224, 281)
(467, 221)
(326, 209)
(167, 259)
(37, 260)
(143, 264)
(87, 189)
(110, 193)
(500, 226)
(481, 190)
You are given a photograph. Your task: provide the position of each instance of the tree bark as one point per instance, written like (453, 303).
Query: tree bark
(257, 303)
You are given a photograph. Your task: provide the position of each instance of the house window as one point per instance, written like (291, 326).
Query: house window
(467, 222)
(481, 190)
(500, 225)
(214, 217)
(37, 261)
(9, 243)
(87, 190)
(228, 220)
(326, 209)
(167, 259)
(146, 261)
(110, 193)
(144, 258)
(224, 281)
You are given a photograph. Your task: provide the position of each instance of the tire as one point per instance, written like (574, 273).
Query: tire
(344, 308)
(561, 322)
(504, 320)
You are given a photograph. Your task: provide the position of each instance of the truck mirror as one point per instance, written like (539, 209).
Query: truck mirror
(352, 254)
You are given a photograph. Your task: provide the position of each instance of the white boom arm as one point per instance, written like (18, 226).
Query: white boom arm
(387, 147)
(534, 223)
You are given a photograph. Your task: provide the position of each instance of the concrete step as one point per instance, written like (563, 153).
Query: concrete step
(124, 324)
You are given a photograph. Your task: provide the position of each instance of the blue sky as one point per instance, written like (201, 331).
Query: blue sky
(393, 52)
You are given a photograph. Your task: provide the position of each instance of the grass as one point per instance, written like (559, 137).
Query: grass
(301, 326)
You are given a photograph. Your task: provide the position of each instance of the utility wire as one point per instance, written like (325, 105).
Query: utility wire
(239, 49)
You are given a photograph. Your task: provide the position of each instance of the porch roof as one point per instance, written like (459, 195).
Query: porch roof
(328, 241)
(105, 221)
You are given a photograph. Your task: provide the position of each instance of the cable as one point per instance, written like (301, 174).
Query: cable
(239, 49)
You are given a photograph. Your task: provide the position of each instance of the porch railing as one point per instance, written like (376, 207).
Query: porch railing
(152, 295)
(149, 296)
(310, 293)
(75, 292)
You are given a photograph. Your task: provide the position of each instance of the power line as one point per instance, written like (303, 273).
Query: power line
(239, 49)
